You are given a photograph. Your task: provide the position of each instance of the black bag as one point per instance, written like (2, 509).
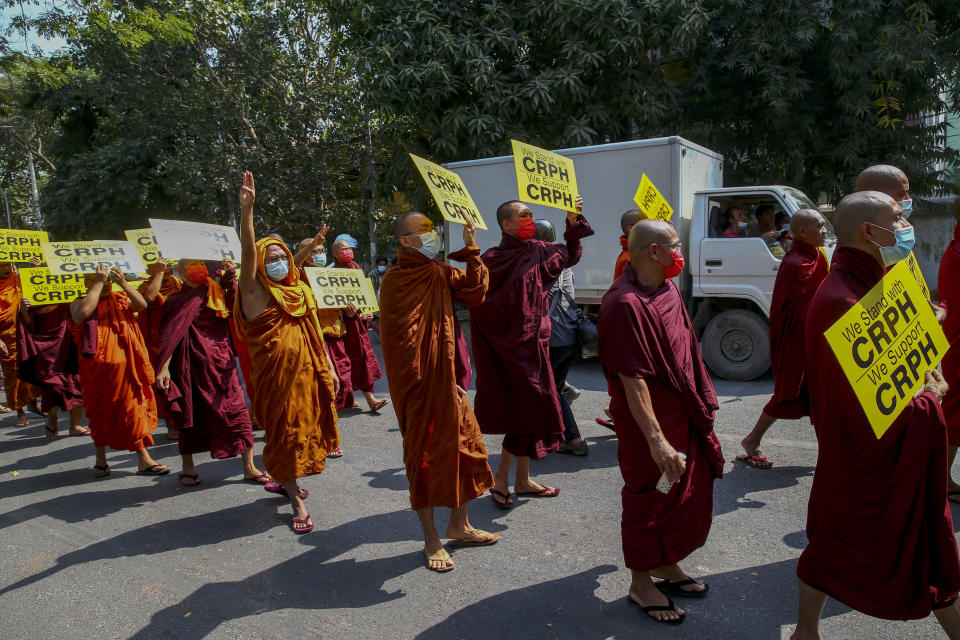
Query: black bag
(586, 328)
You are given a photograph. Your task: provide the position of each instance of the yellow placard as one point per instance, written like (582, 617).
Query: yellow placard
(335, 288)
(544, 177)
(917, 274)
(146, 243)
(42, 287)
(885, 343)
(21, 246)
(651, 201)
(85, 257)
(449, 192)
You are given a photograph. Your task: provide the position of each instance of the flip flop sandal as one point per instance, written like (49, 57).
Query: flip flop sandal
(603, 422)
(154, 470)
(4, 409)
(669, 607)
(83, 432)
(189, 476)
(440, 555)
(336, 453)
(501, 499)
(757, 462)
(479, 540)
(263, 478)
(381, 403)
(676, 587)
(546, 492)
(101, 471)
(306, 521)
(276, 487)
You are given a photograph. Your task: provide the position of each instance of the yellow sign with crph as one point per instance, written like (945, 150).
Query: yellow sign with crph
(21, 246)
(544, 177)
(146, 243)
(450, 193)
(885, 343)
(42, 287)
(86, 256)
(335, 288)
(651, 201)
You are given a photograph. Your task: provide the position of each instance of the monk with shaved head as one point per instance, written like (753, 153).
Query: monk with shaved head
(801, 272)
(880, 533)
(890, 180)
(663, 404)
(627, 220)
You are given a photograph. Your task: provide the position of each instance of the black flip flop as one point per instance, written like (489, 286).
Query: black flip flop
(676, 587)
(669, 607)
(105, 469)
(151, 470)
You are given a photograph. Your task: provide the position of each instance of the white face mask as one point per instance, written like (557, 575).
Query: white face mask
(278, 270)
(431, 244)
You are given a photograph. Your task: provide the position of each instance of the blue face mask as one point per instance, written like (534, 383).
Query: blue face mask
(900, 249)
(382, 268)
(431, 244)
(907, 207)
(278, 270)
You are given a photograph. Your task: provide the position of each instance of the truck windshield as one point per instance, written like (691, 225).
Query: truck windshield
(798, 200)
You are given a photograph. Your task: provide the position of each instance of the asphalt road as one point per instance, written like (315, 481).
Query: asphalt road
(141, 557)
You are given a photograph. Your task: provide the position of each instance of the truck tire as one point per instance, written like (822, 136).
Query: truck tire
(736, 345)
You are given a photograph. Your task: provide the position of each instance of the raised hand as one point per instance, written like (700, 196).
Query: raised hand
(350, 310)
(34, 262)
(934, 383)
(103, 274)
(321, 237)
(117, 276)
(157, 267)
(248, 192)
(469, 232)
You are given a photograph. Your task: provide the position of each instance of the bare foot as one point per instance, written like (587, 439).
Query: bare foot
(806, 635)
(22, 420)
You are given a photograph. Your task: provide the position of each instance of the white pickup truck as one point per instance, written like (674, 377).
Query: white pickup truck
(727, 283)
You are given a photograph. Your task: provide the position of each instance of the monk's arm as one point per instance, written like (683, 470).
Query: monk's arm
(83, 308)
(137, 303)
(152, 290)
(470, 286)
(641, 408)
(25, 316)
(252, 294)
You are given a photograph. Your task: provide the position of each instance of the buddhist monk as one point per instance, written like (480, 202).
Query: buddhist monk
(198, 378)
(364, 368)
(160, 285)
(292, 376)
(20, 393)
(443, 448)
(948, 291)
(663, 404)
(115, 372)
(510, 332)
(801, 272)
(890, 180)
(880, 533)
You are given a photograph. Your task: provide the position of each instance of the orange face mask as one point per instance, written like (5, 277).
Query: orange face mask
(198, 273)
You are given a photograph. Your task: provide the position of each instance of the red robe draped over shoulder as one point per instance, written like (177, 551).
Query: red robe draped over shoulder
(510, 333)
(364, 368)
(47, 356)
(443, 449)
(880, 530)
(948, 290)
(801, 272)
(334, 329)
(646, 333)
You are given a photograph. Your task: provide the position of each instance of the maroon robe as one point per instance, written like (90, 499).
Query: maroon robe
(47, 357)
(341, 362)
(646, 333)
(880, 530)
(205, 399)
(364, 368)
(801, 272)
(510, 333)
(948, 290)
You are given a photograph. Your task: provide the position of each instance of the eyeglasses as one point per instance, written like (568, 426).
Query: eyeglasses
(417, 233)
(675, 245)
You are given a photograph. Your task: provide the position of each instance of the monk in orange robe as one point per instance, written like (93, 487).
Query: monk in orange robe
(19, 393)
(291, 373)
(443, 448)
(160, 285)
(115, 371)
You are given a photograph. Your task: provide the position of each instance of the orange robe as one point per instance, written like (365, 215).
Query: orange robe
(243, 356)
(290, 378)
(116, 376)
(19, 393)
(622, 259)
(443, 448)
(149, 322)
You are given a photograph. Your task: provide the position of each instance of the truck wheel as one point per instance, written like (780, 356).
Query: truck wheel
(736, 345)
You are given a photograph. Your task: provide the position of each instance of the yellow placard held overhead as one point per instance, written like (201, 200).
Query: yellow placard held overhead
(449, 192)
(85, 257)
(544, 177)
(651, 201)
(335, 288)
(885, 343)
(146, 243)
(21, 246)
(42, 287)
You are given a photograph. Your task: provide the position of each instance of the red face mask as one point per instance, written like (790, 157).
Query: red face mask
(674, 269)
(525, 228)
(346, 255)
(197, 273)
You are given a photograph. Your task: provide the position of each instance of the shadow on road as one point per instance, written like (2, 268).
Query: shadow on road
(732, 492)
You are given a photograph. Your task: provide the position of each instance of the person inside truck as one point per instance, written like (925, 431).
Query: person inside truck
(765, 228)
(736, 221)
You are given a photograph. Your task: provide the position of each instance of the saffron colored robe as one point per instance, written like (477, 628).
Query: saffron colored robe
(204, 399)
(19, 392)
(116, 376)
(622, 259)
(364, 368)
(799, 277)
(510, 333)
(948, 290)
(880, 530)
(646, 333)
(48, 357)
(291, 380)
(443, 449)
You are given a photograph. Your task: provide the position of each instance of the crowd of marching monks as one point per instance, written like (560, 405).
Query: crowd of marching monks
(880, 530)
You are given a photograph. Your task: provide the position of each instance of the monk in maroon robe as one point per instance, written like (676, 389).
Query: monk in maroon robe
(879, 528)
(948, 290)
(510, 331)
(198, 380)
(663, 402)
(364, 368)
(801, 272)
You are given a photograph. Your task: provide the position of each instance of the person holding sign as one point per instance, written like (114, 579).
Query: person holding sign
(799, 277)
(443, 449)
(115, 371)
(19, 392)
(880, 532)
(364, 368)
(197, 380)
(510, 332)
(663, 404)
(160, 285)
(291, 373)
